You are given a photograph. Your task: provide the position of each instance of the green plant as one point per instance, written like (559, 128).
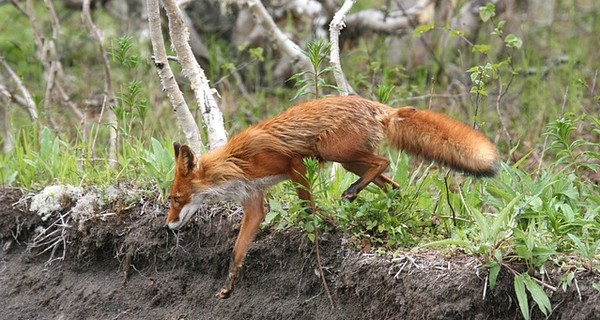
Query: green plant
(159, 165)
(289, 212)
(314, 81)
(132, 107)
(40, 163)
(8, 175)
(380, 218)
(524, 282)
(121, 52)
(589, 251)
(579, 151)
(538, 218)
(383, 93)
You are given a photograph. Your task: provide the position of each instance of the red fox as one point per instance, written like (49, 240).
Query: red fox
(347, 130)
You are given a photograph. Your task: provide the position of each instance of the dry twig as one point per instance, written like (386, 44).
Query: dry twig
(27, 98)
(108, 91)
(283, 42)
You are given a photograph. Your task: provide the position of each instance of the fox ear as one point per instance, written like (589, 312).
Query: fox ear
(186, 159)
(176, 147)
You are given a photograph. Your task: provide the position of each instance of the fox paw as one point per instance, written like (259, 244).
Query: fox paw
(349, 196)
(224, 293)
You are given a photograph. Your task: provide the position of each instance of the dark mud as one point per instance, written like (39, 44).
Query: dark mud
(127, 266)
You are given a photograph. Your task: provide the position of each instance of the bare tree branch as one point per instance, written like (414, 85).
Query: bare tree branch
(37, 35)
(46, 54)
(29, 103)
(211, 114)
(395, 22)
(7, 139)
(336, 25)
(167, 79)
(12, 97)
(16, 4)
(283, 42)
(108, 91)
(51, 63)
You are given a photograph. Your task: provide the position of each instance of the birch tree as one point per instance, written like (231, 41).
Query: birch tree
(179, 106)
(179, 35)
(335, 27)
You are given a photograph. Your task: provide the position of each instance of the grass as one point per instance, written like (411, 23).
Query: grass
(534, 93)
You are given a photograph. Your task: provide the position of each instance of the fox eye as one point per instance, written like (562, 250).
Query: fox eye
(175, 199)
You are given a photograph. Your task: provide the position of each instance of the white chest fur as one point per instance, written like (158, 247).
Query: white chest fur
(240, 190)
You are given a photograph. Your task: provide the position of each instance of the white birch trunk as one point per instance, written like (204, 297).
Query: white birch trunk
(185, 119)
(336, 25)
(211, 114)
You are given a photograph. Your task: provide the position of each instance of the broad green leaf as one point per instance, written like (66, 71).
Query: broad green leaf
(487, 12)
(481, 48)
(473, 69)
(513, 41)
(257, 53)
(522, 296)
(419, 30)
(456, 33)
(494, 271)
(538, 294)
(582, 248)
(566, 280)
(482, 224)
(309, 227)
(504, 214)
(500, 28)
(523, 252)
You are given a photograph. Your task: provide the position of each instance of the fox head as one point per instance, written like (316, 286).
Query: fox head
(183, 201)
(217, 175)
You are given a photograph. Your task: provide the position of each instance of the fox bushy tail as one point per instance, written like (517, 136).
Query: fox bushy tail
(439, 138)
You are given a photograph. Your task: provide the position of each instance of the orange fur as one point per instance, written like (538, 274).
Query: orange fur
(347, 130)
(440, 138)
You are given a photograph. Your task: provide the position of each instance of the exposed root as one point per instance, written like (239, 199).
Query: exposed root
(54, 238)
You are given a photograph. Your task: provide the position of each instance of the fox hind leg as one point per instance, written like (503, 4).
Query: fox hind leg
(370, 168)
(381, 181)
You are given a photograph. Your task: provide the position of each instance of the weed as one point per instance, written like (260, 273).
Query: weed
(314, 81)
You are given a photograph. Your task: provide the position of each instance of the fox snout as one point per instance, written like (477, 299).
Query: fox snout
(172, 221)
(177, 218)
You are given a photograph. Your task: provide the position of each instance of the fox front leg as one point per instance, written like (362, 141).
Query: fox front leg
(232, 277)
(254, 213)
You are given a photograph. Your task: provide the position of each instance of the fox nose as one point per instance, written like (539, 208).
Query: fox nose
(169, 221)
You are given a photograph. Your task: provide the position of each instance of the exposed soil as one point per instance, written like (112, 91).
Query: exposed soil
(129, 267)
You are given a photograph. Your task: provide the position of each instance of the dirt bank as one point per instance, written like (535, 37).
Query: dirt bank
(127, 266)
